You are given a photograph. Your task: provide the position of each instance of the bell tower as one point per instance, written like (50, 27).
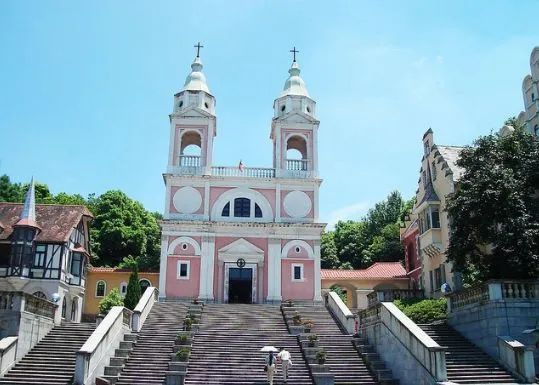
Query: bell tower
(192, 124)
(294, 129)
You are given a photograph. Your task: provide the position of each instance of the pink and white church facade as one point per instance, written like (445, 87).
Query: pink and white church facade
(241, 234)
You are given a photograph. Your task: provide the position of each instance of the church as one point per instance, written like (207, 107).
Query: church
(241, 234)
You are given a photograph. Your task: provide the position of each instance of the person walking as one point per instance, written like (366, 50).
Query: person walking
(286, 362)
(270, 367)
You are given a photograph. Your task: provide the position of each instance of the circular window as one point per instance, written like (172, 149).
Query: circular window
(184, 246)
(283, 108)
(206, 105)
(308, 109)
(180, 104)
(297, 249)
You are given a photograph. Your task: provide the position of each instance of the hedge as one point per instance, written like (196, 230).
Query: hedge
(423, 311)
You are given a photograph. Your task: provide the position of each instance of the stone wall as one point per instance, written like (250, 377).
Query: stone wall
(30, 328)
(397, 357)
(482, 323)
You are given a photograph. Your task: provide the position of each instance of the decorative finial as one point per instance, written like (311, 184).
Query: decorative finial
(294, 52)
(198, 47)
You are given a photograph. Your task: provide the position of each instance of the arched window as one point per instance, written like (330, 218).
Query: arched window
(64, 307)
(226, 210)
(100, 288)
(258, 211)
(296, 153)
(144, 284)
(242, 208)
(40, 294)
(123, 288)
(190, 149)
(74, 308)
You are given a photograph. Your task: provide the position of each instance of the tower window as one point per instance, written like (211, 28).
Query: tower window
(283, 107)
(226, 210)
(180, 105)
(434, 171)
(308, 109)
(242, 207)
(39, 259)
(533, 97)
(258, 212)
(206, 105)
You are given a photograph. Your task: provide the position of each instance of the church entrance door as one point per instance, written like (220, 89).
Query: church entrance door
(240, 284)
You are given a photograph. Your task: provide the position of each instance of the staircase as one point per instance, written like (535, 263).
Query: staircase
(226, 350)
(342, 357)
(149, 358)
(465, 362)
(52, 360)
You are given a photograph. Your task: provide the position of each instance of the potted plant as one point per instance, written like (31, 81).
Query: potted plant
(312, 340)
(182, 354)
(187, 323)
(296, 318)
(182, 338)
(308, 324)
(321, 356)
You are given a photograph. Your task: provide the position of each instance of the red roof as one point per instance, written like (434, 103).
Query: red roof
(55, 221)
(380, 270)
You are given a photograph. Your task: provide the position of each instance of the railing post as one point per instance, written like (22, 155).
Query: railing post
(495, 291)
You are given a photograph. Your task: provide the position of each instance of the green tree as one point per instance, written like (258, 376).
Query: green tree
(386, 245)
(133, 294)
(10, 192)
(350, 240)
(114, 298)
(122, 227)
(328, 251)
(495, 209)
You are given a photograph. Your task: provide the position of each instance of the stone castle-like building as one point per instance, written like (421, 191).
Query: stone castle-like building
(241, 234)
(530, 92)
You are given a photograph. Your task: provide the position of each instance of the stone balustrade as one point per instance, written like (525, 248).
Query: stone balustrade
(341, 311)
(249, 172)
(96, 352)
(143, 308)
(506, 290)
(391, 295)
(20, 301)
(8, 354)
(517, 358)
(425, 353)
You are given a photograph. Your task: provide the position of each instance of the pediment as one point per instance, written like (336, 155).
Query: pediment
(193, 112)
(241, 247)
(297, 117)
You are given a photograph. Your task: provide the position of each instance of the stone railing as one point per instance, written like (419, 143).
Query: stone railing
(20, 301)
(391, 295)
(249, 172)
(509, 290)
(141, 311)
(517, 358)
(8, 353)
(424, 349)
(341, 311)
(96, 352)
(189, 161)
(297, 164)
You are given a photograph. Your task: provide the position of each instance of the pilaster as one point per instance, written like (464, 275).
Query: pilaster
(163, 266)
(317, 275)
(274, 269)
(206, 268)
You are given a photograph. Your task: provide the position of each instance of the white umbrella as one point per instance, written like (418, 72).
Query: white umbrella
(269, 348)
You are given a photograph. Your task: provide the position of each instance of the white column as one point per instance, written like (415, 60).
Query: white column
(163, 267)
(274, 269)
(206, 268)
(317, 276)
(278, 203)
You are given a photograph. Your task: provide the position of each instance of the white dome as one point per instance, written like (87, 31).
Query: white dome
(196, 80)
(294, 85)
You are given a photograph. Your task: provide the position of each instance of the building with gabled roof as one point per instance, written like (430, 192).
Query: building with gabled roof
(426, 234)
(44, 250)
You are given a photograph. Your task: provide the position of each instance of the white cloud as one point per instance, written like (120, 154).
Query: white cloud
(354, 211)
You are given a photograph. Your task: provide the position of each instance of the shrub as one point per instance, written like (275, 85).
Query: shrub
(114, 298)
(296, 318)
(133, 293)
(423, 310)
(183, 354)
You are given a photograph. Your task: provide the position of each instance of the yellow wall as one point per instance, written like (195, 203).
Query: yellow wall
(357, 289)
(113, 280)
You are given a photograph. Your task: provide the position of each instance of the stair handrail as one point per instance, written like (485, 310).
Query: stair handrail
(424, 349)
(94, 355)
(144, 305)
(342, 312)
(8, 353)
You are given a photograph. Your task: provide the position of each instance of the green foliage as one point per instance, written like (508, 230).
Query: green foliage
(358, 244)
(183, 354)
(423, 311)
(114, 298)
(495, 210)
(122, 228)
(9, 192)
(133, 294)
(340, 292)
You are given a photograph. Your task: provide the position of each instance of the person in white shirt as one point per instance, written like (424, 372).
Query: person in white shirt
(284, 356)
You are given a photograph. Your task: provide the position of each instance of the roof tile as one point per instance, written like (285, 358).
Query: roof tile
(383, 270)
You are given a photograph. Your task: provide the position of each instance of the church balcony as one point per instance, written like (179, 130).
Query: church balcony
(189, 161)
(297, 164)
(249, 172)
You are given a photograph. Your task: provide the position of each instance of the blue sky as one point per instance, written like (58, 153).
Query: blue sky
(86, 87)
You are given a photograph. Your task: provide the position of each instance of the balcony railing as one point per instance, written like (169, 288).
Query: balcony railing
(297, 164)
(189, 161)
(430, 242)
(250, 172)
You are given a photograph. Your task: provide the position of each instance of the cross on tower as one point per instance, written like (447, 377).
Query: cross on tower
(198, 47)
(294, 51)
